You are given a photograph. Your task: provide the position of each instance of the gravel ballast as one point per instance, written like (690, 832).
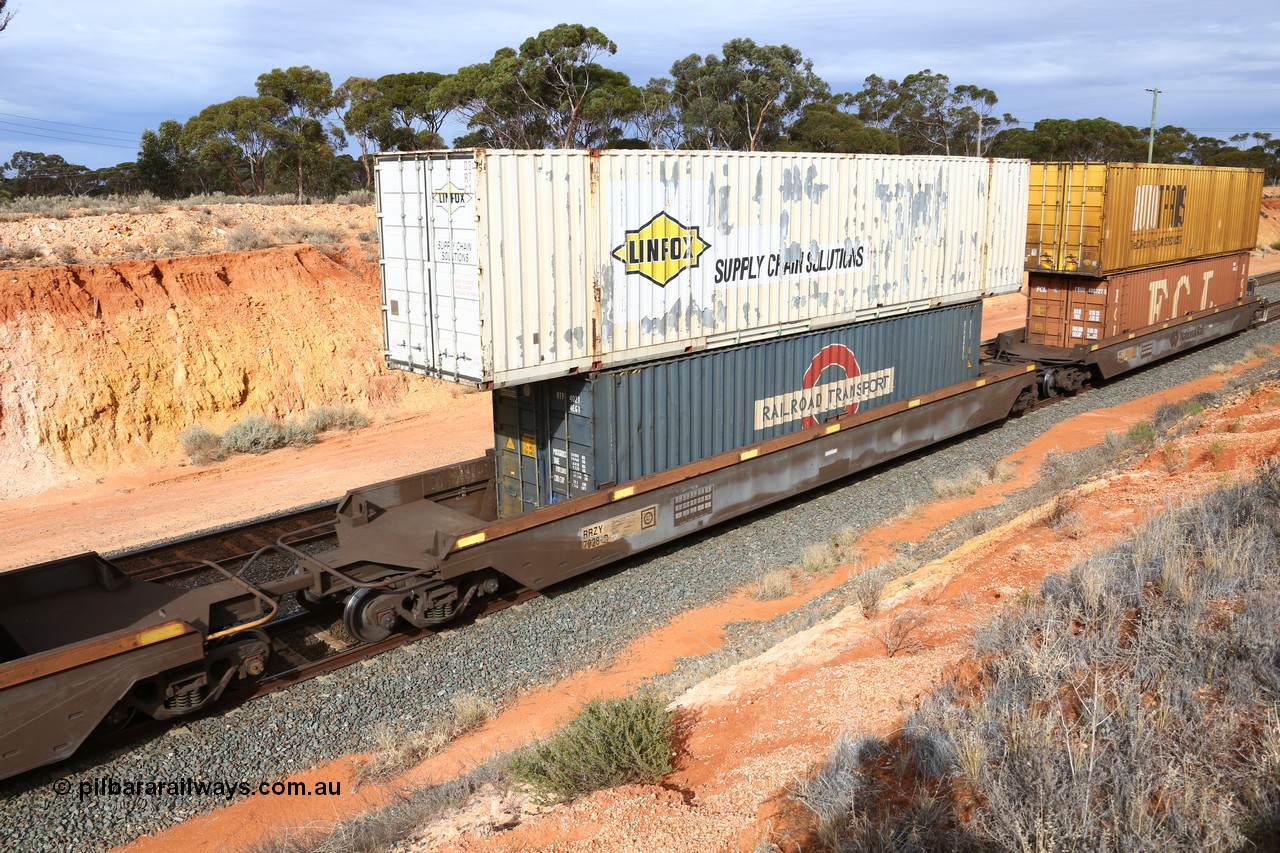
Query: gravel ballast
(577, 625)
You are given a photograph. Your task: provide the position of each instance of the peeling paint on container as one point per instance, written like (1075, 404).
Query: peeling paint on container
(507, 267)
(565, 437)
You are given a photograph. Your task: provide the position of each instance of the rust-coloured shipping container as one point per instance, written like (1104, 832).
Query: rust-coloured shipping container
(1098, 219)
(1067, 310)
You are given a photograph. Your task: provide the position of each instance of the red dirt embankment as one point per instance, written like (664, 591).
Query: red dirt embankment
(102, 365)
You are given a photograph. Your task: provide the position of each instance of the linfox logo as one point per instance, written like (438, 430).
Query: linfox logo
(661, 249)
(814, 399)
(450, 197)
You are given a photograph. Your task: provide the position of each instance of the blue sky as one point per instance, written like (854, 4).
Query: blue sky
(83, 79)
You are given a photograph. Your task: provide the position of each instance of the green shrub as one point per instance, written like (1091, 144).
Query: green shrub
(1142, 434)
(1133, 705)
(202, 445)
(244, 238)
(363, 197)
(611, 742)
(293, 433)
(253, 434)
(1275, 244)
(1165, 416)
(66, 253)
(335, 419)
(316, 235)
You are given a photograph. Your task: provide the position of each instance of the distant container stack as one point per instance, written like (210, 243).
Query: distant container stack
(502, 268)
(1099, 219)
(565, 437)
(1065, 311)
(1117, 247)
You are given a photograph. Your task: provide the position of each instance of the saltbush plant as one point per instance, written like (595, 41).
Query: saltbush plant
(1133, 705)
(259, 434)
(202, 445)
(611, 742)
(335, 419)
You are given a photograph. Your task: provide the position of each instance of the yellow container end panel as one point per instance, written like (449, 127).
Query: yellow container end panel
(1097, 219)
(1065, 216)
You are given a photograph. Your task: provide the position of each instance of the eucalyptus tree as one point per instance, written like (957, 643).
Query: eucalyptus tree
(828, 127)
(396, 112)
(357, 95)
(930, 116)
(745, 99)
(36, 173)
(166, 164)
(552, 92)
(303, 136)
(656, 119)
(236, 136)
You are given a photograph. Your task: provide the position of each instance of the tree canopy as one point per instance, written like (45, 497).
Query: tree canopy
(556, 89)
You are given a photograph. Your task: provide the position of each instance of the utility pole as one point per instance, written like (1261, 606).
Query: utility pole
(1151, 141)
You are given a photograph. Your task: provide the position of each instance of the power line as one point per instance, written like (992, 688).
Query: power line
(128, 133)
(66, 133)
(65, 139)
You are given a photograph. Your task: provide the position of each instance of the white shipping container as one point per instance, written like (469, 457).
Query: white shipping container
(507, 267)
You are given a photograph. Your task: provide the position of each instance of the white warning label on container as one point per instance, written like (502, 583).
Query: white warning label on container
(618, 527)
(810, 402)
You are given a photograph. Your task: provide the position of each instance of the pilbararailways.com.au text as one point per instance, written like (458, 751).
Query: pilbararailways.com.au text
(111, 786)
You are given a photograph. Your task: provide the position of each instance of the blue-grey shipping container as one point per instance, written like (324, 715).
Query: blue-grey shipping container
(565, 437)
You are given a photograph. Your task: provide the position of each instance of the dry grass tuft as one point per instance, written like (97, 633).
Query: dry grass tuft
(1134, 704)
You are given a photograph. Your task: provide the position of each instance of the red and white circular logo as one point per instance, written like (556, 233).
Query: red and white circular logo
(832, 355)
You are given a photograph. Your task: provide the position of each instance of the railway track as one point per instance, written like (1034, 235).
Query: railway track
(305, 640)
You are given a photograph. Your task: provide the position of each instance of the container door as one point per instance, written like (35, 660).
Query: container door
(454, 288)
(570, 451)
(430, 286)
(521, 480)
(1087, 310)
(1047, 312)
(1065, 217)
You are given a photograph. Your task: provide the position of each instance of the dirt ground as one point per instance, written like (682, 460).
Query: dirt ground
(68, 486)
(753, 730)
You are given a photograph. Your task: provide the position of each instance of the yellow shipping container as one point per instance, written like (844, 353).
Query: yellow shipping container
(1098, 219)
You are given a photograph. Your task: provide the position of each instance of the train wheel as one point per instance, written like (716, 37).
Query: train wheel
(116, 720)
(313, 603)
(370, 615)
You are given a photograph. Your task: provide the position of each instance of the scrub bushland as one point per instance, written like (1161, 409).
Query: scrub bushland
(1134, 704)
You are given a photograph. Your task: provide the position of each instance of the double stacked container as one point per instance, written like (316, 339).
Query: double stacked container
(565, 437)
(1116, 247)
(637, 310)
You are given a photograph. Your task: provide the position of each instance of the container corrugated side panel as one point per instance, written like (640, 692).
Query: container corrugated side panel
(684, 410)
(650, 418)
(784, 243)
(1146, 297)
(1067, 310)
(1160, 215)
(1098, 219)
